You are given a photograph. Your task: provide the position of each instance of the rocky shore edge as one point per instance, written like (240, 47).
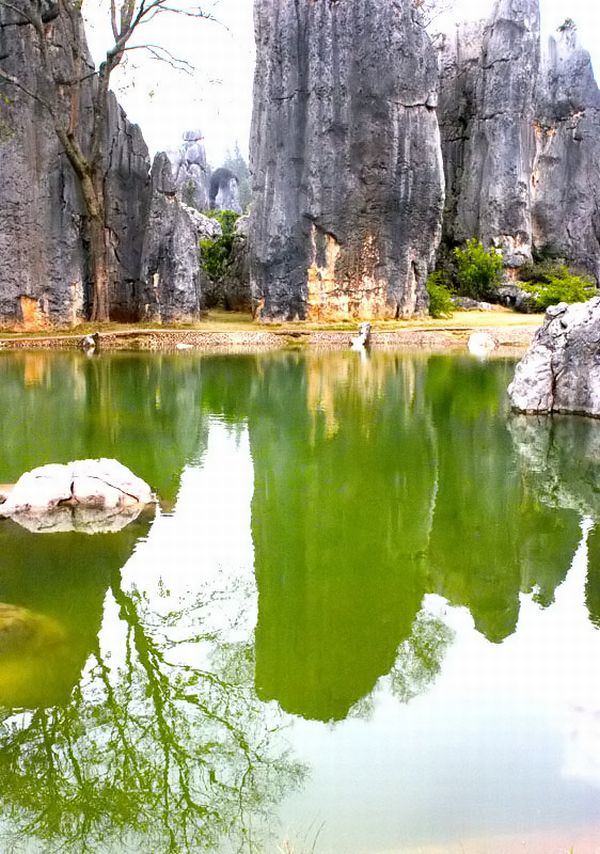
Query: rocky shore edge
(509, 339)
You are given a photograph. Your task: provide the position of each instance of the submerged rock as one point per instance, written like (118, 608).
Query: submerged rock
(561, 372)
(346, 160)
(86, 495)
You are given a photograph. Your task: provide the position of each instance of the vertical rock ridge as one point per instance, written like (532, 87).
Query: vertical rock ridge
(348, 185)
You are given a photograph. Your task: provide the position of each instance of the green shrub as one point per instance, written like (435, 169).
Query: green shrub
(226, 219)
(440, 295)
(478, 270)
(216, 253)
(552, 283)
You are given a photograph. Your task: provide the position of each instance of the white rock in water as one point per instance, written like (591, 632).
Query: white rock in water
(481, 344)
(561, 370)
(103, 484)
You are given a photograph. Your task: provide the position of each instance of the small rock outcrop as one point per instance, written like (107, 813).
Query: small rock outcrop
(91, 496)
(346, 160)
(561, 371)
(224, 191)
(520, 126)
(190, 168)
(171, 270)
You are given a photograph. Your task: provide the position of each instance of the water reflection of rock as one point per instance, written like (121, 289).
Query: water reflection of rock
(61, 581)
(151, 752)
(559, 460)
(371, 490)
(142, 410)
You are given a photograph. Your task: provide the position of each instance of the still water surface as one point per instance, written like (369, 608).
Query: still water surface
(364, 619)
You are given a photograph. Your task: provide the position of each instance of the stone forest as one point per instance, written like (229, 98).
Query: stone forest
(300, 444)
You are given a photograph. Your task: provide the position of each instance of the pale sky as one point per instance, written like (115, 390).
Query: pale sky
(218, 97)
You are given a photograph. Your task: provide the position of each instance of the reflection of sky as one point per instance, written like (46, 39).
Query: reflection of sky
(504, 748)
(204, 547)
(496, 750)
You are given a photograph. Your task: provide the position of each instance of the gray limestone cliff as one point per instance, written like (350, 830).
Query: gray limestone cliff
(566, 177)
(173, 278)
(346, 160)
(489, 75)
(44, 267)
(520, 133)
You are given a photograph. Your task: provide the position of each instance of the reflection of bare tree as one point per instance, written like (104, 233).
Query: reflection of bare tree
(418, 663)
(154, 754)
(420, 657)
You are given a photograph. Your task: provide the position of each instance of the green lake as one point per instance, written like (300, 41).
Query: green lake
(364, 619)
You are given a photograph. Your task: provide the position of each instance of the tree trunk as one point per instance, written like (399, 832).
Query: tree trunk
(100, 270)
(99, 247)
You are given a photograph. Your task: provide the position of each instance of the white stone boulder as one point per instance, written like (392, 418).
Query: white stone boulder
(81, 495)
(561, 370)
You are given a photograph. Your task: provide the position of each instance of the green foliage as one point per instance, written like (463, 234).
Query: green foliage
(216, 253)
(226, 219)
(477, 270)
(551, 282)
(440, 295)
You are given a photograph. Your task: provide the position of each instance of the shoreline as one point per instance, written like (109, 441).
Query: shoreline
(453, 336)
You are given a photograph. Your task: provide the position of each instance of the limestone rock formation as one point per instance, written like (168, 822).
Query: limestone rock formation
(561, 372)
(520, 133)
(566, 177)
(489, 74)
(171, 269)
(91, 496)
(43, 269)
(346, 160)
(191, 171)
(236, 294)
(224, 191)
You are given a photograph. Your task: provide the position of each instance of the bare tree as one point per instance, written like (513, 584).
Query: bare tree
(429, 10)
(60, 96)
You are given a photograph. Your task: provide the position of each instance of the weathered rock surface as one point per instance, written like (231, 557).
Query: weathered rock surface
(171, 269)
(191, 171)
(561, 370)
(520, 133)
(236, 293)
(224, 191)
(566, 177)
(489, 74)
(86, 495)
(346, 161)
(43, 264)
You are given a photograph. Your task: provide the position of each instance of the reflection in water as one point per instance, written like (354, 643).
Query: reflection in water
(370, 480)
(376, 482)
(146, 750)
(141, 410)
